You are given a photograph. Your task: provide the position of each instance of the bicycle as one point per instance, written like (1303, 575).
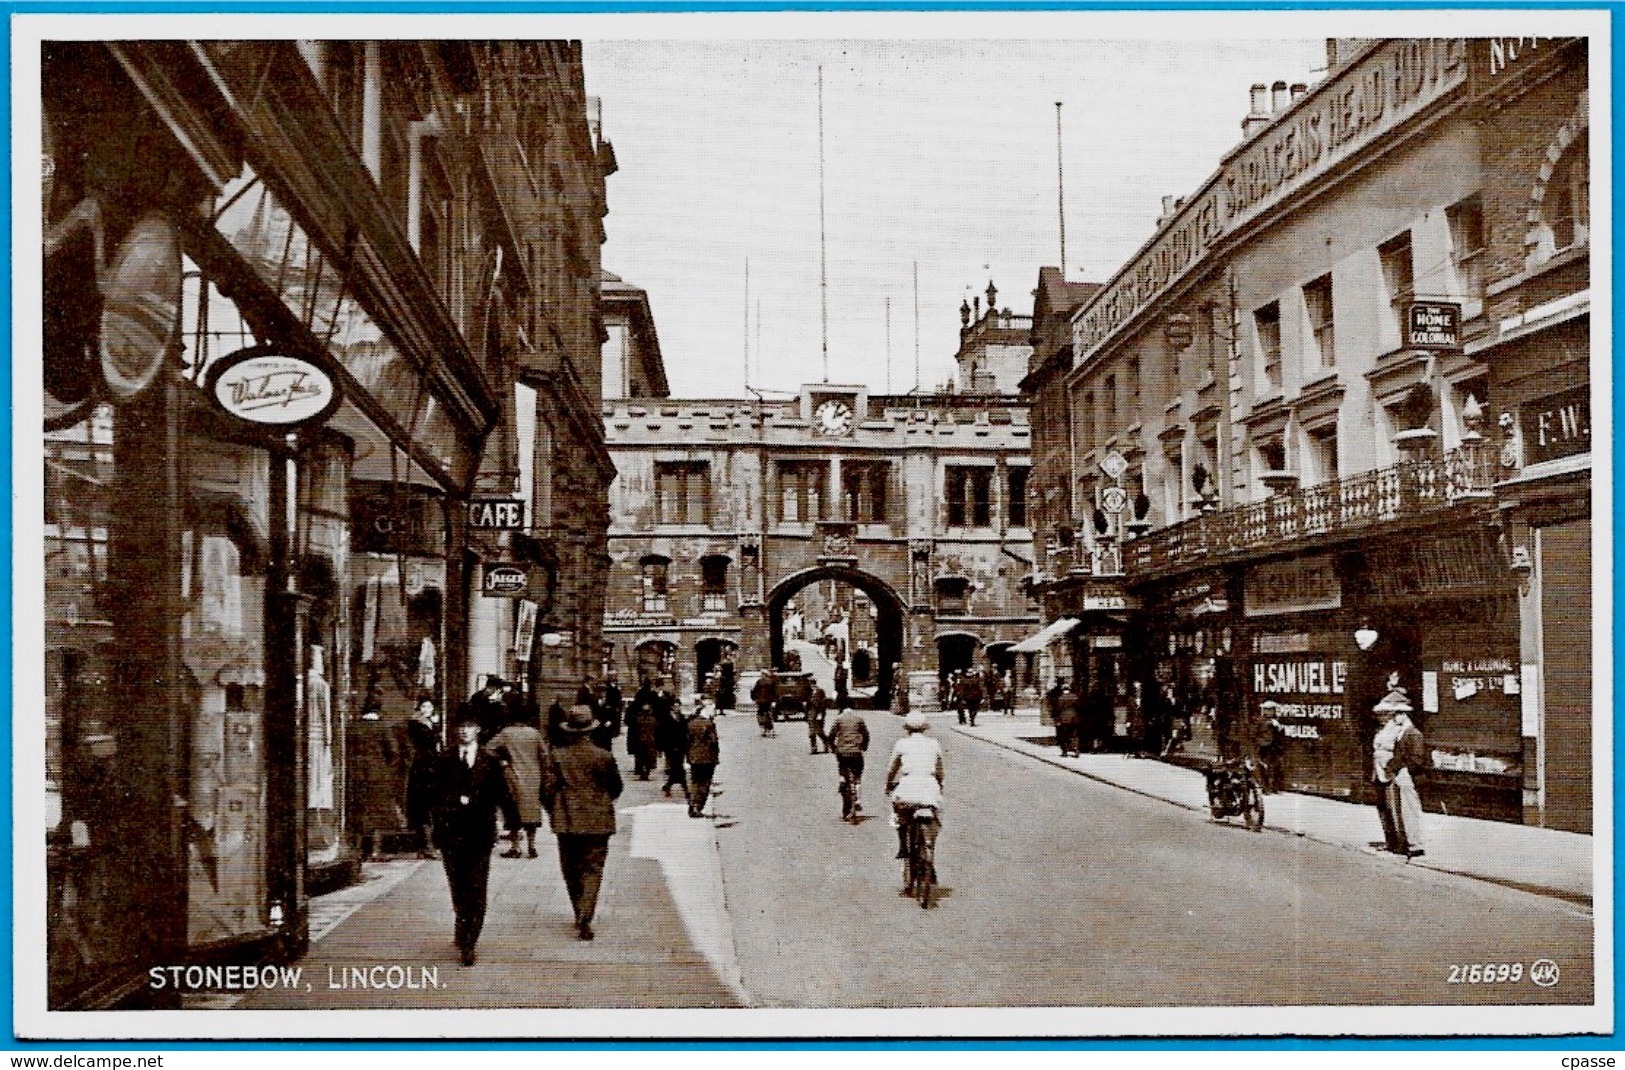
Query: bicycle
(851, 809)
(919, 863)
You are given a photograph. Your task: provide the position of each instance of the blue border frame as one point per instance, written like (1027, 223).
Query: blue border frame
(10, 1042)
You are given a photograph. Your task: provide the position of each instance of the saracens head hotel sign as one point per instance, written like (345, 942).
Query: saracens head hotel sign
(1389, 84)
(265, 385)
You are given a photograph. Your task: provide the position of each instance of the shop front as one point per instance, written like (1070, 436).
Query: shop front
(1190, 646)
(215, 393)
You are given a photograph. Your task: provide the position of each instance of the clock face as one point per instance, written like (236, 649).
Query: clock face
(834, 418)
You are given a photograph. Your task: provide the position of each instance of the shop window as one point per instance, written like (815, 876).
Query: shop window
(714, 584)
(801, 491)
(1317, 303)
(1016, 497)
(970, 496)
(864, 491)
(1466, 219)
(682, 492)
(1267, 321)
(222, 640)
(1398, 268)
(656, 584)
(1566, 207)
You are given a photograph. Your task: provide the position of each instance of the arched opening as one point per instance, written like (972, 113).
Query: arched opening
(709, 655)
(956, 652)
(656, 660)
(831, 608)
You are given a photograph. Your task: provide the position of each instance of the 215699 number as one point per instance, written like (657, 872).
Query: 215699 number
(1486, 973)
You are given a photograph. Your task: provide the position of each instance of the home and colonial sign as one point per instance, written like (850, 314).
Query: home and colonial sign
(264, 385)
(497, 514)
(505, 581)
(1296, 586)
(1433, 325)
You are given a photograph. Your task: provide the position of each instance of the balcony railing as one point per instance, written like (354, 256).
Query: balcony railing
(1414, 490)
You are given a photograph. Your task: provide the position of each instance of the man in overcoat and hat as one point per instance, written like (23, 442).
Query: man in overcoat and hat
(470, 788)
(579, 793)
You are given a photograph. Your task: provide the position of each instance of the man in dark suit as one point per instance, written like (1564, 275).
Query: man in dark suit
(579, 792)
(469, 788)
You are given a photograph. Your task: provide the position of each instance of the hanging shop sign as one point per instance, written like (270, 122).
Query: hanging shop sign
(524, 632)
(264, 385)
(1300, 585)
(505, 581)
(497, 514)
(1433, 325)
(141, 305)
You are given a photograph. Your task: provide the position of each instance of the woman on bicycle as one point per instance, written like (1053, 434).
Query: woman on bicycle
(914, 777)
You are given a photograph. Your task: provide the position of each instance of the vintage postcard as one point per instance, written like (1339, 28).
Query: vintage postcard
(1002, 524)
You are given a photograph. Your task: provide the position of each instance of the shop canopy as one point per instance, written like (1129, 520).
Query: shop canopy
(1041, 639)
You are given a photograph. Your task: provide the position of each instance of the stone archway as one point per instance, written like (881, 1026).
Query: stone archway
(889, 620)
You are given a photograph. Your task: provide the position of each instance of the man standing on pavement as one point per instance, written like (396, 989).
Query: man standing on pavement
(671, 735)
(579, 793)
(610, 707)
(704, 751)
(974, 690)
(848, 739)
(470, 787)
(1064, 712)
(817, 710)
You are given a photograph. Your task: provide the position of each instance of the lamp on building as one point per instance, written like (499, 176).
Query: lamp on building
(1365, 636)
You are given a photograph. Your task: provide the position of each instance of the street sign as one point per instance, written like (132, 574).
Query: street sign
(505, 581)
(1114, 464)
(497, 514)
(1114, 499)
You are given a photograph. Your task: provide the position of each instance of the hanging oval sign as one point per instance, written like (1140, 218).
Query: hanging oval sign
(265, 385)
(506, 581)
(141, 305)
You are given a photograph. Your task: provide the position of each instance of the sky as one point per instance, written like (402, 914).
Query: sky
(938, 152)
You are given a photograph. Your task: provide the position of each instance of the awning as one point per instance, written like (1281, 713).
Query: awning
(1043, 638)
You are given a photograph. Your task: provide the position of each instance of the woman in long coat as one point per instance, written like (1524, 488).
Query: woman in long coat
(423, 742)
(523, 752)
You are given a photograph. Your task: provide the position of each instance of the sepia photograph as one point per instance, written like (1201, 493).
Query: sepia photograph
(795, 526)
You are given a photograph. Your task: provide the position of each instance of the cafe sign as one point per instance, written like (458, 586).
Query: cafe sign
(497, 514)
(505, 581)
(1433, 325)
(266, 386)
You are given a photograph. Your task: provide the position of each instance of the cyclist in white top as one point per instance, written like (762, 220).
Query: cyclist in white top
(914, 777)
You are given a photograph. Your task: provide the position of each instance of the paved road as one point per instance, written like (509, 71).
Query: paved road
(1061, 891)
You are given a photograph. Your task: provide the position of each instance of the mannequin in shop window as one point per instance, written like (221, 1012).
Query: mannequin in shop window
(319, 733)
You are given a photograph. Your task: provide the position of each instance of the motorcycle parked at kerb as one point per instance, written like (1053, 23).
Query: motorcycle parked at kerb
(1233, 790)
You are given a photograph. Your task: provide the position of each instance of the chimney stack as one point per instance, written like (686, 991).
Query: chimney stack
(1258, 113)
(1299, 91)
(1278, 98)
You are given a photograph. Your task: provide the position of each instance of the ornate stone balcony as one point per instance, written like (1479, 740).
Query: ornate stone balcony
(1410, 493)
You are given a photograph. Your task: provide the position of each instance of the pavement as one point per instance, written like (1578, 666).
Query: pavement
(663, 937)
(1545, 861)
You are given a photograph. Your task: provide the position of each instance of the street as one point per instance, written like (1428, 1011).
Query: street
(1057, 891)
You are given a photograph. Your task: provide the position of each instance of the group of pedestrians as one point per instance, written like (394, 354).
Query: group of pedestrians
(967, 690)
(516, 770)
